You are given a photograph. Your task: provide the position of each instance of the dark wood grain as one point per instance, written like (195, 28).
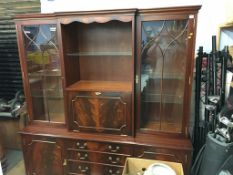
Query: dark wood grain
(114, 86)
(48, 161)
(104, 147)
(69, 44)
(97, 157)
(90, 168)
(100, 54)
(100, 112)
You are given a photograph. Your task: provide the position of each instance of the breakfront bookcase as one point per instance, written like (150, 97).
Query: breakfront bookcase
(102, 86)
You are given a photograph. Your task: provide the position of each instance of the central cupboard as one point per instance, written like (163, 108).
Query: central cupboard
(102, 86)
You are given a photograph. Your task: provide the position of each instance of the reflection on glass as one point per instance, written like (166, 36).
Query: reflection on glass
(163, 66)
(44, 72)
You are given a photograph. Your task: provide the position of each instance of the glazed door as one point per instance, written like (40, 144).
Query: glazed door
(164, 50)
(43, 72)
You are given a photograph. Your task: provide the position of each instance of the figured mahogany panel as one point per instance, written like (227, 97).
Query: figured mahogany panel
(43, 157)
(107, 112)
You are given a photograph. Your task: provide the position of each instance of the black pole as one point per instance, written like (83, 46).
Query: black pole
(214, 65)
(197, 99)
(224, 72)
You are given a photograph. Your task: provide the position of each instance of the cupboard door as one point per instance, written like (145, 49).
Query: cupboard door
(42, 64)
(101, 112)
(165, 59)
(43, 157)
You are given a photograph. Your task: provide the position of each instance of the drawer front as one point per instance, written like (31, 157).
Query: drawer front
(103, 112)
(98, 157)
(99, 146)
(87, 168)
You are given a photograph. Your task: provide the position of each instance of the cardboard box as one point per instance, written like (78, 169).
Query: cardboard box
(134, 165)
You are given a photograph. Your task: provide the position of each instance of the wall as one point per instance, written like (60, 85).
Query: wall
(211, 15)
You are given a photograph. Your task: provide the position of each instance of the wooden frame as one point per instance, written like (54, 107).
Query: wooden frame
(78, 80)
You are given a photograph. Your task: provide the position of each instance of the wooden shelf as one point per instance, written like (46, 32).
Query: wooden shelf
(101, 86)
(127, 53)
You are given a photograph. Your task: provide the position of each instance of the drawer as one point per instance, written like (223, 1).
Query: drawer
(87, 168)
(98, 157)
(100, 147)
(102, 112)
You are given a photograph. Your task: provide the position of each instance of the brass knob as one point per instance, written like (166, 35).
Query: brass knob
(64, 162)
(98, 93)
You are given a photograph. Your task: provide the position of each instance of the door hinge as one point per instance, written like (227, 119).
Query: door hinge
(136, 79)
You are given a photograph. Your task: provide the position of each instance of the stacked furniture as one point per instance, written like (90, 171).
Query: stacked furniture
(102, 86)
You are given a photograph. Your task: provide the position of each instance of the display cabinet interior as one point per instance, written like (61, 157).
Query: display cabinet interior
(164, 57)
(98, 53)
(99, 63)
(44, 72)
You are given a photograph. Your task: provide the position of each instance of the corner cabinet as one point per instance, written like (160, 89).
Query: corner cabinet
(102, 86)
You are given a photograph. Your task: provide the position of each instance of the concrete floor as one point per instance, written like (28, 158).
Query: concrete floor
(15, 163)
(18, 169)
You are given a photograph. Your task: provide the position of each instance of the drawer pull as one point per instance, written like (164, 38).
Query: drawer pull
(83, 169)
(98, 93)
(112, 173)
(113, 150)
(80, 146)
(64, 162)
(117, 160)
(82, 157)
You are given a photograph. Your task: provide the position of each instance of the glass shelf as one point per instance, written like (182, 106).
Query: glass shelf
(46, 73)
(170, 76)
(165, 98)
(48, 94)
(127, 53)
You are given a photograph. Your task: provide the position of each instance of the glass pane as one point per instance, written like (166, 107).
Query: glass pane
(163, 66)
(44, 72)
